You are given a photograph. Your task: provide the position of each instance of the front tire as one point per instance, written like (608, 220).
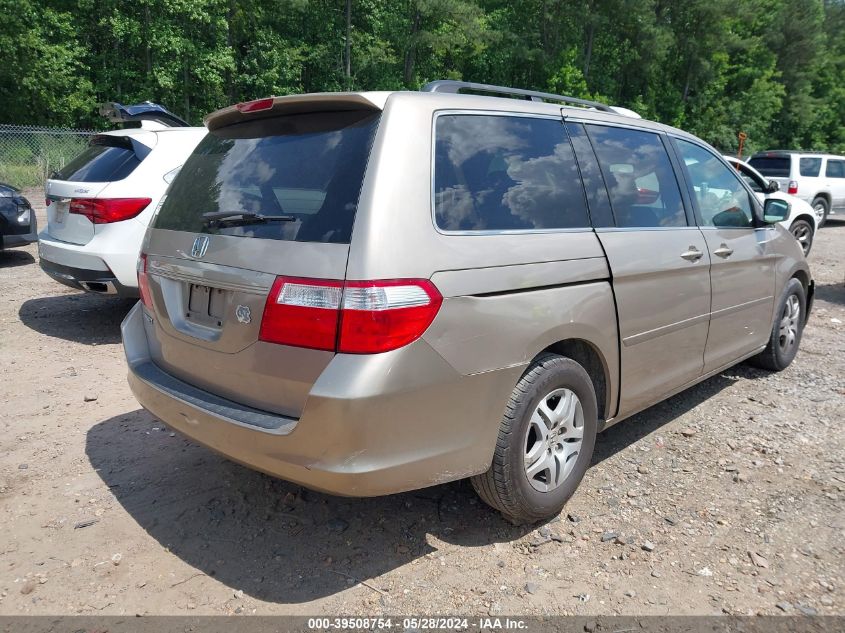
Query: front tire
(803, 232)
(821, 207)
(545, 444)
(786, 330)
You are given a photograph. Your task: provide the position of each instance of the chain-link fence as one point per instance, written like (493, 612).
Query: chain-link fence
(28, 154)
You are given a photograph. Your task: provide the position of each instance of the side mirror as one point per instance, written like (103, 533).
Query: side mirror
(775, 210)
(773, 186)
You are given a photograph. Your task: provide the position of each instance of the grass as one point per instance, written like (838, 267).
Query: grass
(26, 158)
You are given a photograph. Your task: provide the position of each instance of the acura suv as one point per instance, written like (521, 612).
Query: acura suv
(100, 203)
(368, 293)
(802, 220)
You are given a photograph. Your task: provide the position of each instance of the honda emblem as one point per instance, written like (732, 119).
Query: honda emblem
(200, 246)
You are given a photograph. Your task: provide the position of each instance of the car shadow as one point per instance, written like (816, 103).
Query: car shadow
(281, 543)
(82, 317)
(13, 259)
(269, 538)
(831, 293)
(633, 429)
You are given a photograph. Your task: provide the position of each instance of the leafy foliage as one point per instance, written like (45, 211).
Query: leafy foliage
(774, 69)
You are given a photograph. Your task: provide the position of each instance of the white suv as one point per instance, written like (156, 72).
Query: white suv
(812, 176)
(100, 204)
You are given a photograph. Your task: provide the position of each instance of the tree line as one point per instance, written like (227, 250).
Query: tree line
(774, 69)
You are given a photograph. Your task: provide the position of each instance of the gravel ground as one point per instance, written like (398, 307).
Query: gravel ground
(727, 498)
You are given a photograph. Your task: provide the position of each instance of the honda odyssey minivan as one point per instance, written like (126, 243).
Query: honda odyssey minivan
(368, 293)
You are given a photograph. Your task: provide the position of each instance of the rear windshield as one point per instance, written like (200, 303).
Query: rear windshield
(108, 158)
(771, 166)
(294, 178)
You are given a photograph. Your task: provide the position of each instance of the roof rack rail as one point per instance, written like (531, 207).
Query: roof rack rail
(451, 86)
(792, 151)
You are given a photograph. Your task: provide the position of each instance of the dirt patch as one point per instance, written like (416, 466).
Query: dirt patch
(726, 498)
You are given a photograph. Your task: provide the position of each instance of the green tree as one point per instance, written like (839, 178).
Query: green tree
(774, 69)
(43, 78)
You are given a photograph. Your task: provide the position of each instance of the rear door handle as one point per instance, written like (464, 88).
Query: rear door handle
(723, 251)
(692, 255)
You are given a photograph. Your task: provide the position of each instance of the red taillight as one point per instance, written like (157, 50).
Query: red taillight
(302, 313)
(793, 187)
(255, 106)
(144, 282)
(379, 316)
(107, 210)
(356, 317)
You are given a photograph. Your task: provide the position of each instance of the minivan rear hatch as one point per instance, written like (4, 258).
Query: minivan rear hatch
(262, 197)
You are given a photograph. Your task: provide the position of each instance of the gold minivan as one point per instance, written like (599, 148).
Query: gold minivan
(367, 293)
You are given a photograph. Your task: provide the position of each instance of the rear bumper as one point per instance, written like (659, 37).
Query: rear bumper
(15, 235)
(96, 281)
(372, 425)
(84, 267)
(10, 241)
(112, 252)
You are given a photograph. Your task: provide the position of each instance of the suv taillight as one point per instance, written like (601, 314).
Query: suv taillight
(353, 317)
(144, 281)
(107, 210)
(793, 187)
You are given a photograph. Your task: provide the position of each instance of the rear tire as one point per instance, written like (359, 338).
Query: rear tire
(803, 232)
(545, 444)
(821, 207)
(786, 330)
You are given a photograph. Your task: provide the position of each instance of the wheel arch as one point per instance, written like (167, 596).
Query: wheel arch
(809, 290)
(825, 195)
(807, 218)
(588, 355)
(802, 276)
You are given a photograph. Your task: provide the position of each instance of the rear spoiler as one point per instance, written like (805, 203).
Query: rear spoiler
(295, 104)
(128, 142)
(146, 111)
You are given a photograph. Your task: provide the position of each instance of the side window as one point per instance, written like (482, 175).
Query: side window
(722, 200)
(639, 176)
(751, 182)
(750, 179)
(599, 203)
(810, 167)
(835, 168)
(497, 173)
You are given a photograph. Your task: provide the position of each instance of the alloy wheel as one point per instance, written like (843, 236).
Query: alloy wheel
(819, 209)
(553, 439)
(788, 331)
(802, 232)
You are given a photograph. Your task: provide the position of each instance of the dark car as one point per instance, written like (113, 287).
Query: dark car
(17, 219)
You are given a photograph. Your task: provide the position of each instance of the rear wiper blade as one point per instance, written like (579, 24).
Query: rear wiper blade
(219, 217)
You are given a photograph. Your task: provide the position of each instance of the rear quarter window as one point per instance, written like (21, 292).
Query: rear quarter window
(107, 159)
(835, 168)
(505, 173)
(810, 167)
